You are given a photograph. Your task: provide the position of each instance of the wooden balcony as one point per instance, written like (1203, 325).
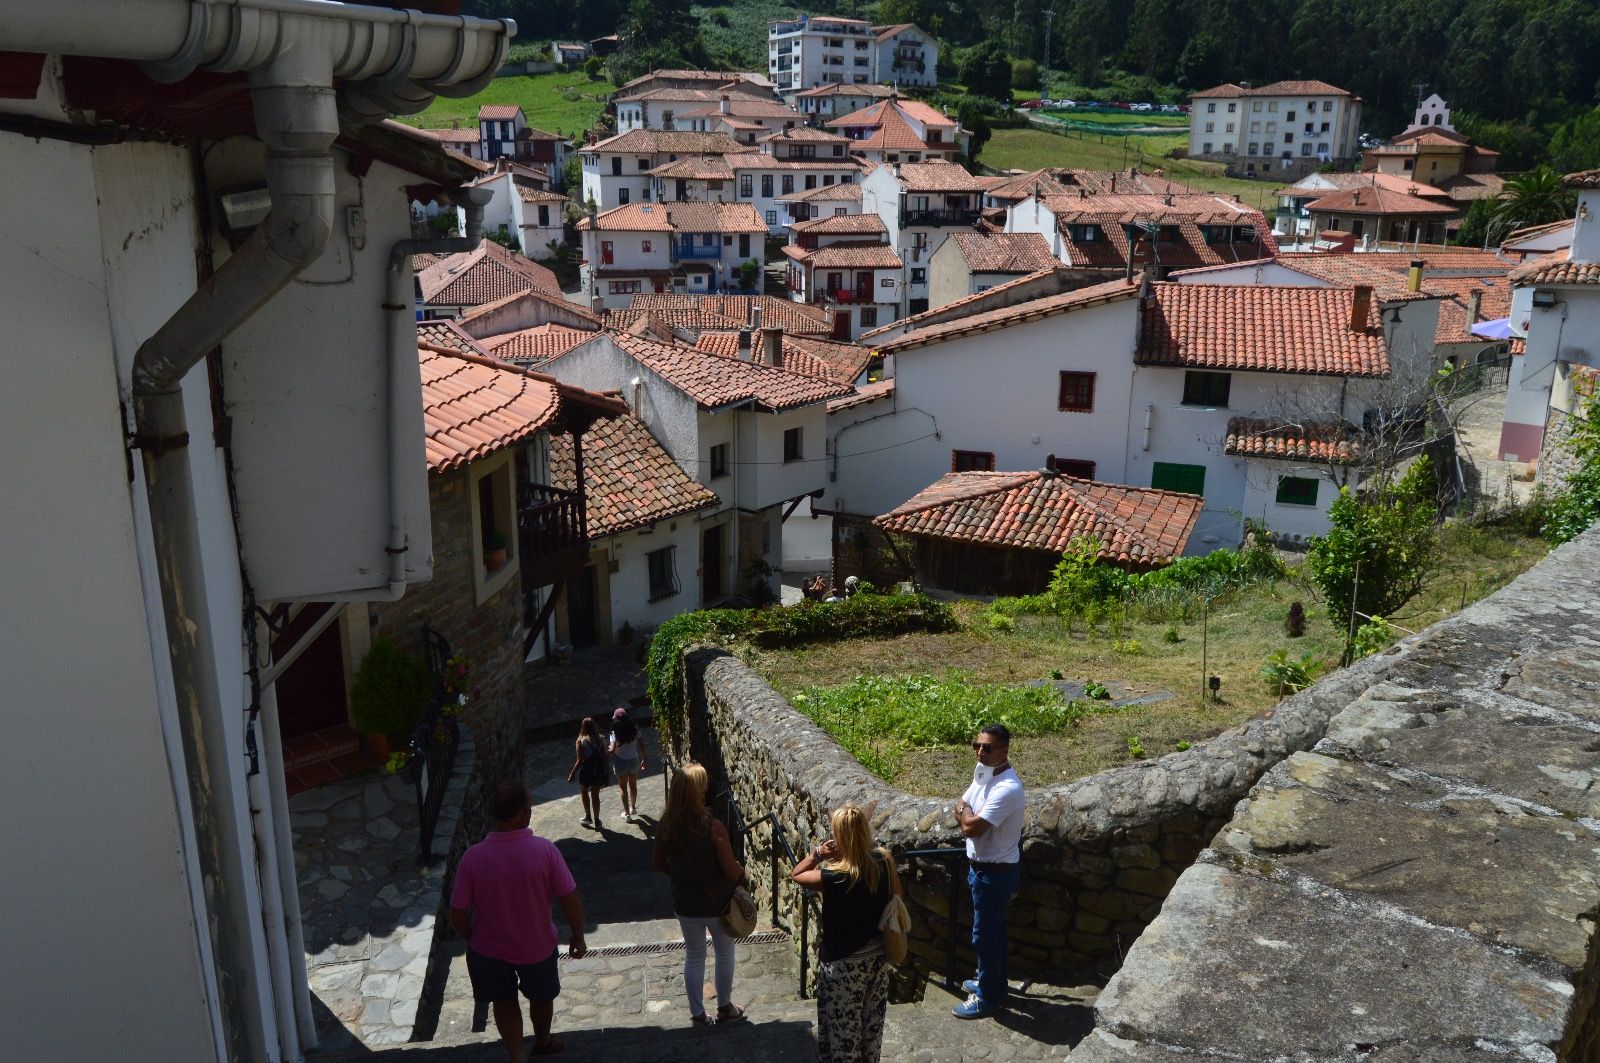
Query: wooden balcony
(552, 534)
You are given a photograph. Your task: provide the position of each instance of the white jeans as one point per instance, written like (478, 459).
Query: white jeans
(694, 929)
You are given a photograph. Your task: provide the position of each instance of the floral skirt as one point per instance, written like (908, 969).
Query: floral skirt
(852, 998)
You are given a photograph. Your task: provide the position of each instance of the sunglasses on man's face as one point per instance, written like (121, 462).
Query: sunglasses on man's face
(984, 747)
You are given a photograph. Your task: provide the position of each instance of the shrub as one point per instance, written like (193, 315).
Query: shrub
(390, 691)
(1577, 505)
(1294, 625)
(1025, 74)
(1131, 647)
(1135, 747)
(1170, 634)
(1096, 690)
(1289, 676)
(1001, 624)
(1372, 637)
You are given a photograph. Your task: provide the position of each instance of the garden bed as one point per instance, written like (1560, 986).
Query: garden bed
(1241, 629)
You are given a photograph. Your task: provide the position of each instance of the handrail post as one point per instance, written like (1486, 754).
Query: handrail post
(950, 979)
(805, 946)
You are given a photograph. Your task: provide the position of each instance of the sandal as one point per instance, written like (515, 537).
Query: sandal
(701, 1019)
(729, 1014)
(551, 1047)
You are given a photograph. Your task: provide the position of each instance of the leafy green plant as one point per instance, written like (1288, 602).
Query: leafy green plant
(1183, 744)
(1286, 675)
(1057, 674)
(1001, 624)
(1096, 690)
(1374, 636)
(1577, 504)
(1170, 634)
(1130, 647)
(1135, 747)
(390, 691)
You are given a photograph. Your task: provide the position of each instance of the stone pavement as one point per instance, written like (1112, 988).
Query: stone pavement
(625, 1002)
(1478, 416)
(594, 680)
(367, 909)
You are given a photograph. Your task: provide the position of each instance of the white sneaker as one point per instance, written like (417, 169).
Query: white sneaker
(585, 822)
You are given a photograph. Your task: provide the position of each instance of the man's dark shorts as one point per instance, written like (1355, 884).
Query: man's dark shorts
(494, 979)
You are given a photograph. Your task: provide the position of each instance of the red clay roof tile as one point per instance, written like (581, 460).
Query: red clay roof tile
(714, 382)
(629, 479)
(1324, 442)
(471, 410)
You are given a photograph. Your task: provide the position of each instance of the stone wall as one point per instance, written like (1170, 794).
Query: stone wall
(489, 635)
(1099, 854)
(862, 549)
(1556, 461)
(1422, 884)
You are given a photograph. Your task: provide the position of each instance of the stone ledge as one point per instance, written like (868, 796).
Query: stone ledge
(1422, 885)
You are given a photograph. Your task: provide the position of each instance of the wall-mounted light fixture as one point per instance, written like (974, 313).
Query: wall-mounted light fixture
(1583, 212)
(244, 208)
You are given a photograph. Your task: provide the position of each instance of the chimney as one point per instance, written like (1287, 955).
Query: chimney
(1414, 277)
(1049, 472)
(772, 345)
(1355, 200)
(744, 345)
(755, 316)
(1360, 308)
(726, 105)
(598, 305)
(1474, 307)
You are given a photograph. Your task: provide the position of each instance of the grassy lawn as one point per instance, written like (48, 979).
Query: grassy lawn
(1241, 630)
(1120, 118)
(560, 102)
(1032, 149)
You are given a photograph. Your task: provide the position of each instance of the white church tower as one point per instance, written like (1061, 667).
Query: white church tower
(1432, 113)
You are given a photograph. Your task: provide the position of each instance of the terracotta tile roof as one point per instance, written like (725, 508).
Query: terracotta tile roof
(1466, 187)
(1138, 526)
(453, 137)
(539, 195)
(892, 132)
(696, 168)
(760, 160)
(1013, 292)
(629, 479)
(685, 95)
(1324, 442)
(667, 142)
(689, 319)
(937, 177)
(841, 89)
(841, 223)
(714, 77)
(803, 134)
(1530, 231)
(1119, 217)
(1298, 88)
(423, 260)
(533, 295)
(1227, 90)
(878, 389)
(1371, 179)
(1004, 252)
(1556, 268)
(720, 310)
(444, 332)
(470, 410)
(1455, 326)
(883, 33)
(715, 218)
(533, 346)
(1582, 179)
(498, 112)
(490, 272)
(834, 360)
(740, 106)
(834, 193)
(848, 254)
(1379, 201)
(1004, 317)
(1260, 328)
(713, 382)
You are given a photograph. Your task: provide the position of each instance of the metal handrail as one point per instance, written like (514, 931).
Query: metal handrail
(952, 853)
(432, 746)
(780, 838)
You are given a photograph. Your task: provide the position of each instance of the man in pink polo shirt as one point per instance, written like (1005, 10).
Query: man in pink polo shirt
(501, 906)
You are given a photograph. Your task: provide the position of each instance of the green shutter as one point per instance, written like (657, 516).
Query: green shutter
(1167, 476)
(1297, 491)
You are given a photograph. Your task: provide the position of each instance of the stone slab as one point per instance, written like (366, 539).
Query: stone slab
(1245, 967)
(1448, 856)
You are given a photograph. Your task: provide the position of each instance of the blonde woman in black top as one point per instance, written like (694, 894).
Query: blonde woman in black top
(856, 880)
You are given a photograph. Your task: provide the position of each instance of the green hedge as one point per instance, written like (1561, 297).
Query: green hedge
(863, 616)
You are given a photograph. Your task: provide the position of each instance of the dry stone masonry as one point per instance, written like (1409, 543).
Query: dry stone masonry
(1099, 854)
(1422, 885)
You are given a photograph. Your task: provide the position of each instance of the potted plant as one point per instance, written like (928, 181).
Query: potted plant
(389, 695)
(494, 557)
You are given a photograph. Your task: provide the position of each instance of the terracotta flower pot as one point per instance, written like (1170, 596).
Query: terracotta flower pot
(495, 560)
(379, 745)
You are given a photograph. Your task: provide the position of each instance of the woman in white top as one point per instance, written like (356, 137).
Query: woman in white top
(627, 758)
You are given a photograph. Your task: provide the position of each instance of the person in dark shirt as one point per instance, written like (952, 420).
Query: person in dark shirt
(856, 881)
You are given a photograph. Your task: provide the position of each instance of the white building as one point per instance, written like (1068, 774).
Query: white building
(835, 100)
(196, 448)
(1243, 395)
(825, 202)
(749, 431)
(1555, 306)
(1283, 130)
(823, 50)
(896, 130)
(846, 264)
(698, 248)
(760, 178)
(504, 133)
(616, 171)
(534, 216)
(920, 204)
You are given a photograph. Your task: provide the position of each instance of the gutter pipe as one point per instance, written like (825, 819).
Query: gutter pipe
(388, 61)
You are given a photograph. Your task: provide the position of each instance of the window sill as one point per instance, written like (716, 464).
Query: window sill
(1075, 409)
(1200, 406)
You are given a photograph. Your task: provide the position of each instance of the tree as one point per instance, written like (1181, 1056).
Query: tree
(1025, 74)
(1382, 545)
(1200, 63)
(1532, 199)
(986, 71)
(1576, 145)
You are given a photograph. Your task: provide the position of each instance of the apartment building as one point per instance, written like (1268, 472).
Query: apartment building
(817, 50)
(616, 171)
(846, 264)
(1283, 130)
(920, 205)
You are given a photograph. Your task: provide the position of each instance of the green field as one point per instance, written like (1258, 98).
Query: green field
(1033, 149)
(562, 102)
(1119, 118)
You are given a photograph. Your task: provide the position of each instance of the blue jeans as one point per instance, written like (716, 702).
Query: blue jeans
(991, 892)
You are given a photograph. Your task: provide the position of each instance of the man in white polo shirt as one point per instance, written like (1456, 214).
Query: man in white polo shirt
(990, 814)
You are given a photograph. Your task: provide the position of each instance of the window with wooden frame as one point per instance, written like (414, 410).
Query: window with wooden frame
(1075, 467)
(719, 460)
(1297, 491)
(971, 461)
(792, 445)
(1207, 389)
(1077, 392)
(1170, 476)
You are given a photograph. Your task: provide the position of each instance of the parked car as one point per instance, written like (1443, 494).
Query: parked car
(1032, 105)
(1169, 108)
(1066, 105)
(1183, 108)
(1122, 106)
(1141, 107)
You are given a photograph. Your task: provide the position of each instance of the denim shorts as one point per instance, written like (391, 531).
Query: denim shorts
(495, 980)
(625, 766)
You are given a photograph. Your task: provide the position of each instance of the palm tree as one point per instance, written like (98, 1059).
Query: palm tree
(1533, 198)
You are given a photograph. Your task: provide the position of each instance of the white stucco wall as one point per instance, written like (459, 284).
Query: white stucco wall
(629, 586)
(1568, 330)
(763, 477)
(600, 365)
(92, 830)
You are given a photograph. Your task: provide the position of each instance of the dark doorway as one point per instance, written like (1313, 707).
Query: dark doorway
(581, 608)
(711, 565)
(311, 694)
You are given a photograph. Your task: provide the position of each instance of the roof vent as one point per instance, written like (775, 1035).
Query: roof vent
(1049, 472)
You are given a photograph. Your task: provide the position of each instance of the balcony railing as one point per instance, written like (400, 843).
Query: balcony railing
(943, 216)
(552, 533)
(697, 251)
(847, 295)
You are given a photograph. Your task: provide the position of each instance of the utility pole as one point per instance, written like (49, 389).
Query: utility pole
(1049, 16)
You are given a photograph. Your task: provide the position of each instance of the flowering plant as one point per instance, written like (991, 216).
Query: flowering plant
(397, 761)
(457, 684)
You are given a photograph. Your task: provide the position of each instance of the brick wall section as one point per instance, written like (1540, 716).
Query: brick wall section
(1099, 854)
(489, 635)
(1421, 885)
